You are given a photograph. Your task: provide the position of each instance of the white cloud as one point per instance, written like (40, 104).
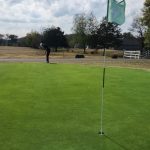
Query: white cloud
(22, 16)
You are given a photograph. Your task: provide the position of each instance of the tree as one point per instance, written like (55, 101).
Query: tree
(71, 40)
(32, 39)
(22, 42)
(6, 39)
(146, 21)
(84, 28)
(109, 34)
(80, 30)
(1, 39)
(138, 28)
(54, 37)
(147, 39)
(92, 26)
(128, 35)
(12, 39)
(146, 13)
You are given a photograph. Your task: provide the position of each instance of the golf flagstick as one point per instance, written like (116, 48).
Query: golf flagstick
(115, 14)
(102, 93)
(103, 79)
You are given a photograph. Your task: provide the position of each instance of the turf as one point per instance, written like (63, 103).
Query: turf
(57, 107)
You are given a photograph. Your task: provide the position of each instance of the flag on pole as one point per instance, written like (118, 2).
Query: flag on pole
(115, 14)
(116, 11)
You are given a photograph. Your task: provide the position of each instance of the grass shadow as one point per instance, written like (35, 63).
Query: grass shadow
(52, 63)
(115, 142)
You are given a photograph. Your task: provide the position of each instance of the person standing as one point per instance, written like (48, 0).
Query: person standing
(47, 50)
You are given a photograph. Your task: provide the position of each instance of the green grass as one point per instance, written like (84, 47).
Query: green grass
(57, 107)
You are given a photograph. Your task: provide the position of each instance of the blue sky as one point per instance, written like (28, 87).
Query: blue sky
(22, 16)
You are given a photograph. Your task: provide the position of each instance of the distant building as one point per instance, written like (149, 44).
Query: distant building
(131, 44)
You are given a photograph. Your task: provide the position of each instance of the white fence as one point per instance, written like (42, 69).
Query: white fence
(132, 54)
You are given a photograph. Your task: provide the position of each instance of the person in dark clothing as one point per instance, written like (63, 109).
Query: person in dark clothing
(47, 50)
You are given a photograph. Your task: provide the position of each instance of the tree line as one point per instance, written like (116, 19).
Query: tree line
(86, 32)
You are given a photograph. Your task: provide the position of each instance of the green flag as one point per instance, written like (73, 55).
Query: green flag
(116, 11)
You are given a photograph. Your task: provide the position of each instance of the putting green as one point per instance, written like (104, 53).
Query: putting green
(57, 107)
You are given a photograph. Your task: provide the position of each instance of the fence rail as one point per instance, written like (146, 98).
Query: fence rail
(132, 54)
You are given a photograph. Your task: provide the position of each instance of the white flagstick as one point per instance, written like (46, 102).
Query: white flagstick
(102, 94)
(104, 70)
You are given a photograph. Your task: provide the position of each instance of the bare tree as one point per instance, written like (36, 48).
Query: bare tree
(138, 29)
(80, 29)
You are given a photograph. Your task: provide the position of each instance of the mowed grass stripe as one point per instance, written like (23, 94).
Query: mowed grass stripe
(55, 106)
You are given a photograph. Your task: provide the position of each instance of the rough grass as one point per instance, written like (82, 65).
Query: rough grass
(19, 52)
(57, 107)
(25, 52)
(63, 56)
